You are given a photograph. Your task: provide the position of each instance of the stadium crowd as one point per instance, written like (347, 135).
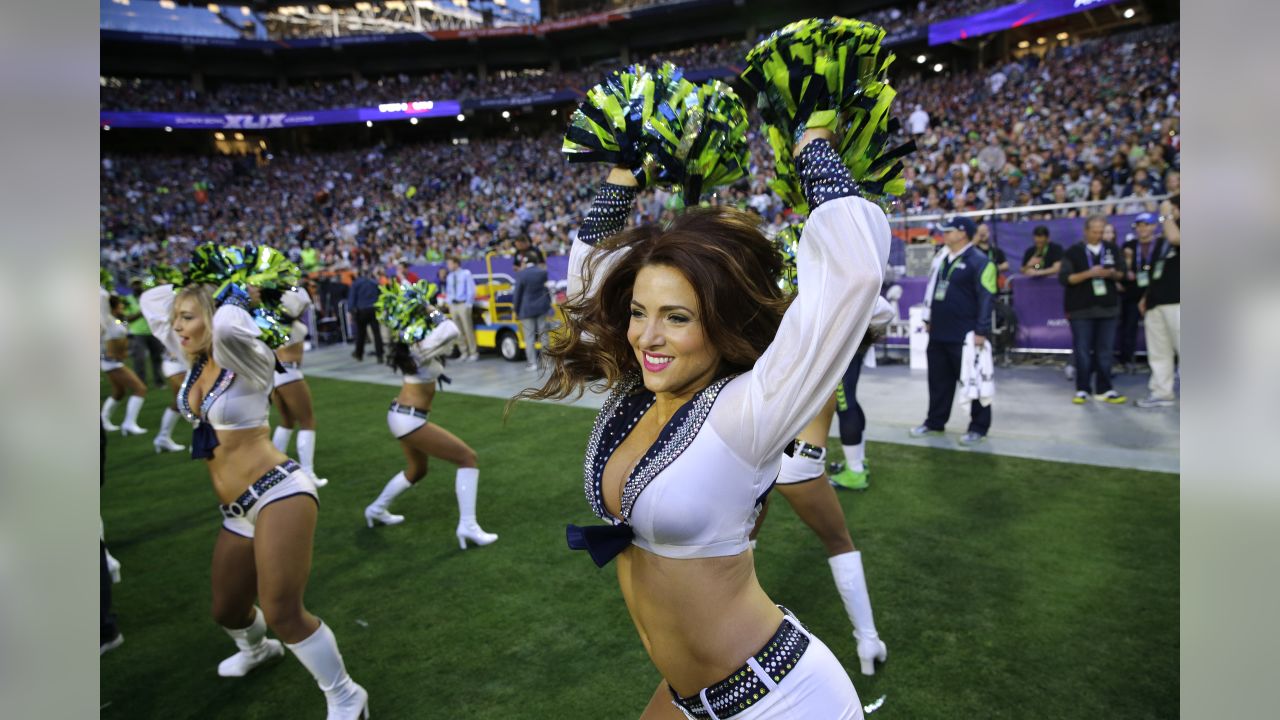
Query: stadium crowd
(1093, 120)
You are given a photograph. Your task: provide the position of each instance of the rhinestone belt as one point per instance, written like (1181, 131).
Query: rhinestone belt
(744, 687)
(408, 410)
(274, 477)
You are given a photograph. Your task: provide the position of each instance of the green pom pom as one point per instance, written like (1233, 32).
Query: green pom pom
(105, 280)
(161, 275)
(272, 328)
(828, 74)
(788, 242)
(216, 265)
(407, 310)
(668, 131)
(269, 269)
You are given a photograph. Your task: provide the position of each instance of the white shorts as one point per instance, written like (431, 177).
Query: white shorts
(403, 419)
(108, 364)
(292, 373)
(299, 482)
(169, 368)
(801, 467)
(818, 688)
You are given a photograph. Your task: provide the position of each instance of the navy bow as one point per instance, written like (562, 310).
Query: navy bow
(203, 441)
(602, 542)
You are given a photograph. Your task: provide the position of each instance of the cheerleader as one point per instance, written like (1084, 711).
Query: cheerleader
(115, 349)
(292, 395)
(269, 504)
(416, 353)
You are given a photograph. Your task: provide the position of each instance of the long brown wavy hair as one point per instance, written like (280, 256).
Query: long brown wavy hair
(733, 268)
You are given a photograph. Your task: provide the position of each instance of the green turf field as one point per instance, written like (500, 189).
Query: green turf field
(1004, 588)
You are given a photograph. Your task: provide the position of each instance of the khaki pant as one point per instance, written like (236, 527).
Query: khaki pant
(1163, 324)
(461, 314)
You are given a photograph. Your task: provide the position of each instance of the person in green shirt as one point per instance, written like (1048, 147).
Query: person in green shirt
(310, 259)
(141, 342)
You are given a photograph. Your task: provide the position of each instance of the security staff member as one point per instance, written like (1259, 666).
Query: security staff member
(1161, 306)
(1140, 254)
(1089, 273)
(958, 299)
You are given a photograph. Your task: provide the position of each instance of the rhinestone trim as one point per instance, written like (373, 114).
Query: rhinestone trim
(744, 688)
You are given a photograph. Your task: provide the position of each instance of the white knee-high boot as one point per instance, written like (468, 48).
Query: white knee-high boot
(281, 437)
(307, 455)
(319, 654)
(851, 583)
(108, 407)
(377, 510)
(131, 410)
(254, 647)
(465, 484)
(113, 565)
(164, 438)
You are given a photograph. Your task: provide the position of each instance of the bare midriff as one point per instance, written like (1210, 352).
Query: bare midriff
(117, 349)
(417, 395)
(241, 459)
(699, 619)
(290, 353)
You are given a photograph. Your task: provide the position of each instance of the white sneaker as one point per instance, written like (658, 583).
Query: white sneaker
(165, 444)
(531, 367)
(242, 662)
(381, 515)
(1155, 402)
(473, 357)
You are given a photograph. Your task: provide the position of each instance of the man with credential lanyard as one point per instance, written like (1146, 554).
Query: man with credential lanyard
(1089, 272)
(959, 302)
(1139, 254)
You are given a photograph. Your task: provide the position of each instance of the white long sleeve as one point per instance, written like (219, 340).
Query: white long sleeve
(238, 346)
(157, 307)
(840, 262)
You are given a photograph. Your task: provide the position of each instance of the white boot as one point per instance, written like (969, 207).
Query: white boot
(307, 455)
(164, 438)
(464, 487)
(377, 510)
(319, 654)
(255, 648)
(281, 437)
(113, 567)
(131, 410)
(108, 407)
(846, 569)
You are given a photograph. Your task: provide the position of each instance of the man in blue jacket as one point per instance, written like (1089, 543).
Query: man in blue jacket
(958, 301)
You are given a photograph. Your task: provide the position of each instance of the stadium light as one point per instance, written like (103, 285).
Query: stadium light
(262, 144)
(1040, 41)
(325, 9)
(167, 4)
(213, 8)
(920, 59)
(461, 117)
(506, 115)
(937, 67)
(168, 129)
(219, 136)
(1024, 44)
(363, 6)
(1063, 36)
(553, 112)
(368, 123)
(244, 10)
(413, 121)
(106, 127)
(1129, 13)
(239, 136)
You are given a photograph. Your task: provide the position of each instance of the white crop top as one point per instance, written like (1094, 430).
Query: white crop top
(697, 491)
(240, 396)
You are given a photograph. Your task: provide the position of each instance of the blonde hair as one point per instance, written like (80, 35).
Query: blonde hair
(203, 296)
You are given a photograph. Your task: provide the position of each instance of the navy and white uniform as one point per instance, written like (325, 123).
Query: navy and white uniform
(403, 419)
(112, 328)
(240, 396)
(696, 493)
